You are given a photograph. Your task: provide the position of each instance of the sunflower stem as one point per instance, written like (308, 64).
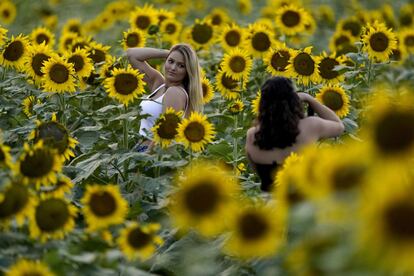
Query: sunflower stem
(235, 144)
(62, 104)
(369, 72)
(125, 143)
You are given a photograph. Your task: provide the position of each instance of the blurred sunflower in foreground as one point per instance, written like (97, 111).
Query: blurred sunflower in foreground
(28, 267)
(15, 203)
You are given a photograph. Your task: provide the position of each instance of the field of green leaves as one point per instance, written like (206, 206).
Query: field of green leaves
(76, 198)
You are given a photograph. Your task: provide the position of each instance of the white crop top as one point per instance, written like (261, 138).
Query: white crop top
(154, 109)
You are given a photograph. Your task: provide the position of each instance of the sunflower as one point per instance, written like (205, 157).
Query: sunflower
(80, 42)
(50, 21)
(15, 203)
(259, 40)
(195, 132)
(7, 12)
(28, 103)
(201, 34)
(66, 40)
(35, 59)
(111, 63)
(351, 24)
(218, 17)
(237, 64)
(5, 157)
(139, 241)
(51, 218)
(58, 75)
(277, 59)
(165, 127)
(256, 231)
(244, 6)
(334, 97)
(14, 52)
(28, 267)
(406, 38)
(73, 25)
(326, 66)
(56, 136)
(303, 66)
(3, 35)
(143, 17)
(341, 39)
(163, 14)
(125, 85)
(63, 186)
(208, 92)
(235, 107)
(133, 38)
(379, 41)
(291, 19)
(39, 164)
(406, 18)
(255, 104)
(204, 198)
(97, 52)
(171, 30)
(390, 127)
(231, 37)
(42, 35)
(386, 215)
(227, 86)
(103, 206)
(82, 63)
(287, 189)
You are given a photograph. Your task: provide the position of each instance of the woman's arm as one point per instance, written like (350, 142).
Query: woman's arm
(138, 57)
(328, 123)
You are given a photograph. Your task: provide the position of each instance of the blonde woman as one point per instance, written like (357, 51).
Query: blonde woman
(179, 87)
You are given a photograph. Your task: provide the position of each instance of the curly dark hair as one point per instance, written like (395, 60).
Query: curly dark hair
(280, 110)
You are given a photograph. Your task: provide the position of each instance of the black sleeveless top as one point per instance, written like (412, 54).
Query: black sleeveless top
(266, 172)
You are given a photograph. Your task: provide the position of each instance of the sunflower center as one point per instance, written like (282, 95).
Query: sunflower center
(228, 83)
(125, 83)
(326, 68)
(353, 26)
(394, 132)
(205, 90)
(170, 28)
(40, 38)
(168, 127)
(293, 195)
(409, 40)
(102, 204)
(290, 18)
(396, 55)
(333, 100)
(280, 60)
(379, 42)
(51, 214)
(216, 20)
(232, 38)
(142, 22)
(97, 55)
(347, 177)
(304, 64)
(68, 42)
(194, 132)
(37, 63)
(132, 40)
(75, 29)
(201, 33)
(77, 61)
(343, 39)
(406, 19)
(14, 51)
(38, 164)
(399, 220)
(15, 199)
(80, 45)
(138, 239)
(59, 73)
(237, 64)
(261, 42)
(252, 226)
(54, 135)
(202, 199)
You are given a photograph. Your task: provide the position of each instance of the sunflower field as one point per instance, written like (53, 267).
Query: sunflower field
(77, 198)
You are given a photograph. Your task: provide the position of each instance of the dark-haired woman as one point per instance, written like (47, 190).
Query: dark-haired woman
(282, 128)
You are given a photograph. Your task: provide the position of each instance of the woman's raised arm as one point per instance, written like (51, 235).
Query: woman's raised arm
(138, 57)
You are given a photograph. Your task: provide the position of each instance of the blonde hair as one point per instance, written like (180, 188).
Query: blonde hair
(192, 82)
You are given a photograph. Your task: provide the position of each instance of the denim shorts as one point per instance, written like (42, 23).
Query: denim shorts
(141, 148)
